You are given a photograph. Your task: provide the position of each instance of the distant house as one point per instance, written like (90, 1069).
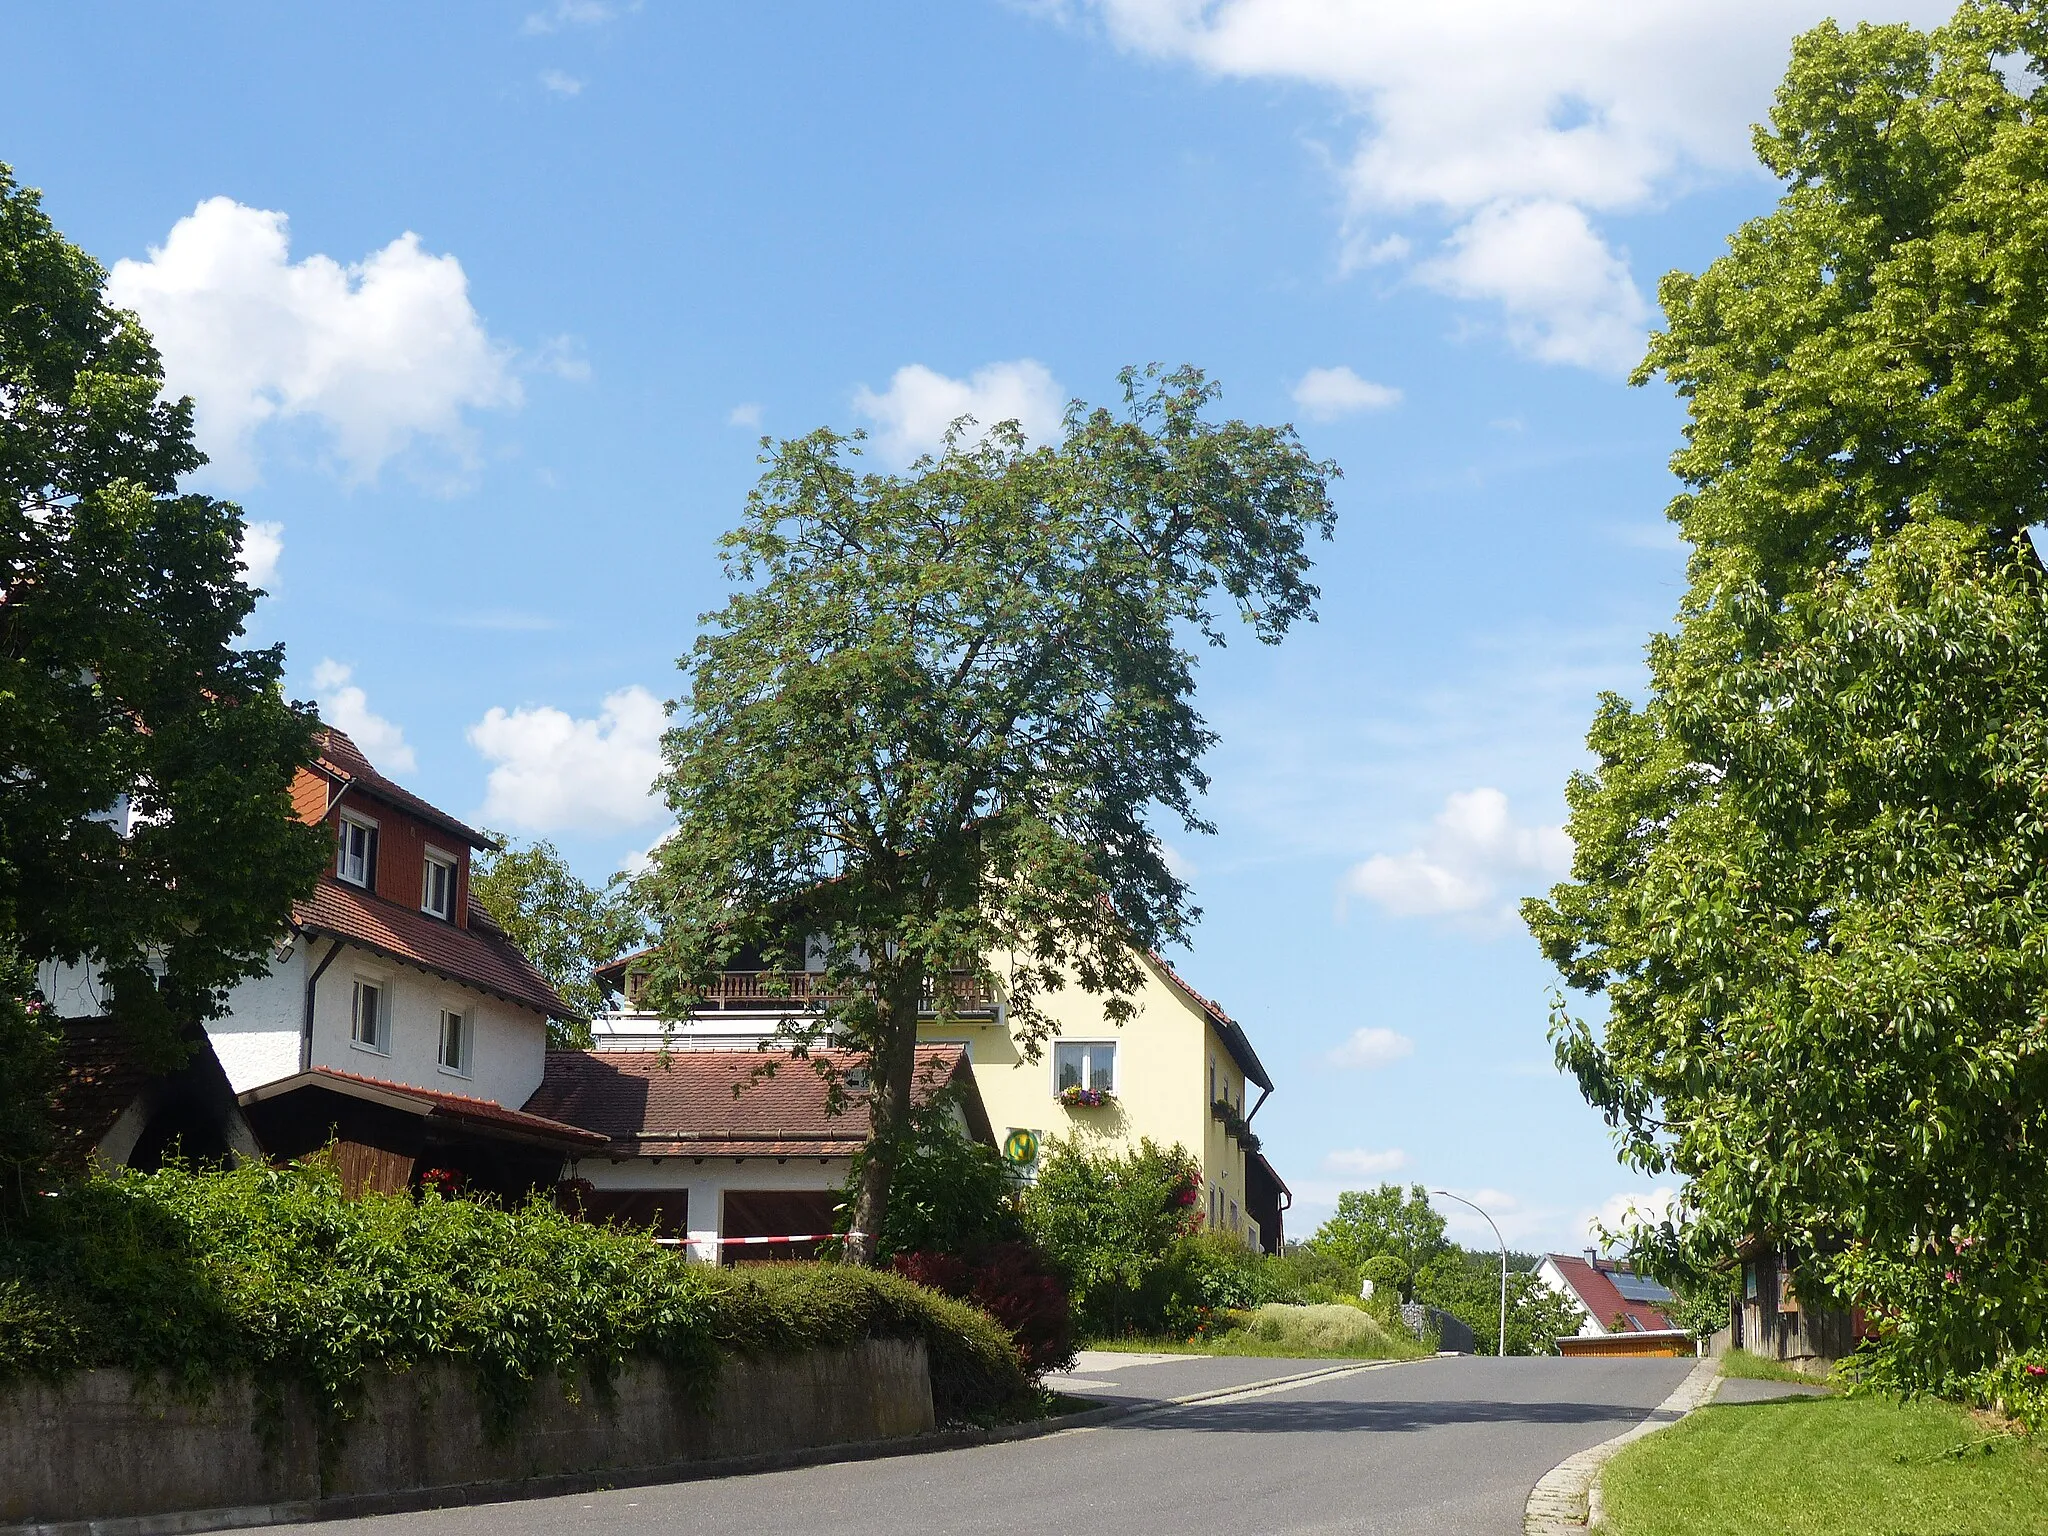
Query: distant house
(710, 1151)
(395, 1020)
(1611, 1297)
(1180, 1071)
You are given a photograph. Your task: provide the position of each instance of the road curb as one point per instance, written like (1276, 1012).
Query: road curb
(189, 1522)
(1566, 1502)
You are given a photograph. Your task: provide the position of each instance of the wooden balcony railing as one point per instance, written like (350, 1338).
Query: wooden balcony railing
(796, 991)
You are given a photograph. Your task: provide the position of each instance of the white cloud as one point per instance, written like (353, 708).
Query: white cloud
(556, 83)
(1474, 109)
(746, 415)
(913, 413)
(637, 861)
(380, 353)
(1372, 1047)
(1472, 848)
(345, 706)
(1366, 1164)
(1620, 1212)
(262, 548)
(1327, 393)
(558, 773)
(1567, 297)
(564, 357)
(569, 13)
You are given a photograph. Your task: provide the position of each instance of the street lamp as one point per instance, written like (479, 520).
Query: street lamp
(1503, 1265)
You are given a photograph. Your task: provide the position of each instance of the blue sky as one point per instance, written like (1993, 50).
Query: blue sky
(485, 306)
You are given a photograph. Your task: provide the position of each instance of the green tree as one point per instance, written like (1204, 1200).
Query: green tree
(145, 761)
(1808, 883)
(953, 1194)
(1112, 1223)
(1466, 1284)
(1369, 1222)
(566, 927)
(937, 724)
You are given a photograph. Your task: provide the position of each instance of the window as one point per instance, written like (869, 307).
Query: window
(455, 1042)
(356, 860)
(367, 1017)
(437, 887)
(1084, 1064)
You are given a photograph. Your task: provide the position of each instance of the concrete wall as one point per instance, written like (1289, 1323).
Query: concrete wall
(98, 1448)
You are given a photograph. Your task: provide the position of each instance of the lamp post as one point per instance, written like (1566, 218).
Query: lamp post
(1503, 1265)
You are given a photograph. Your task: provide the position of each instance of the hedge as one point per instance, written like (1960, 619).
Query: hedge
(271, 1274)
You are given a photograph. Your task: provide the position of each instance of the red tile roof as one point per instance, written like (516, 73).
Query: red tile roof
(479, 956)
(342, 760)
(712, 1103)
(452, 1106)
(1596, 1293)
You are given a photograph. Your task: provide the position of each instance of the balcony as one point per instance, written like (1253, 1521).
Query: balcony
(801, 991)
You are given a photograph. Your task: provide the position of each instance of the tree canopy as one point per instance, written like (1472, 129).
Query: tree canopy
(1808, 884)
(938, 724)
(144, 758)
(566, 927)
(1389, 1220)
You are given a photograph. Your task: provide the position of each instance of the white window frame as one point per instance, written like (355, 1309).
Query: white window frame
(368, 826)
(465, 1027)
(1086, 1047)
(380, 1042)
(447, 861)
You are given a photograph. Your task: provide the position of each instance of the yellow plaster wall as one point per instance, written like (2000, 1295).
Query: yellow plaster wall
(1162, 1082)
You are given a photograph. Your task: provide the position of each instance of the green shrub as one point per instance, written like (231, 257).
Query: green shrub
(949, 1193)
(1334, 1329)
(272, 1274)
(1112, 1223)
(1389, 1275)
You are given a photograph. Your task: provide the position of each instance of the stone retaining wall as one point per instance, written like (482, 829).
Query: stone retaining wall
(99, 1447)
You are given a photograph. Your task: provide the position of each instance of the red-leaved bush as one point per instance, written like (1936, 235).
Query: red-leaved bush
(1014, 1284)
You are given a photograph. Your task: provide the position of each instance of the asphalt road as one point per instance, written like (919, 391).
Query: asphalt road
(1450, 1445)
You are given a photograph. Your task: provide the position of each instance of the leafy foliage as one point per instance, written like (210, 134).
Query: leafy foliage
(1369, 1222)
(952, 1194)
(1389, 1274)
(272, 1274)
(28, 1074)
(1111, 1223)
(1808, 881)
(1013, 1283)
(564, 926)
(937, 722)
(1467, 1285)
(144, 760)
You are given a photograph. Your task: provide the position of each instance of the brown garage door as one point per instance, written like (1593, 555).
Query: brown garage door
(775, 1213)
(665, 1210)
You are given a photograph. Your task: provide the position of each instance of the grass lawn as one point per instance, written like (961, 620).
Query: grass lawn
(1828, 1466)
(1292, 1333)
(1742, 1364)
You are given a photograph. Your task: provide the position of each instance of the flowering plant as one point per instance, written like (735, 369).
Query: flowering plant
(1087, 1098)
(445, 1182)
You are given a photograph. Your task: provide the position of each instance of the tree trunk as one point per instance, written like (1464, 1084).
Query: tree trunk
(892, 1070)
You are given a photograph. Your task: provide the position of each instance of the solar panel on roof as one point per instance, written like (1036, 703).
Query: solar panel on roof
(1640, 1288)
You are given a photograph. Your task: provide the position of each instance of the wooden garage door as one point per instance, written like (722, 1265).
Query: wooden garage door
(665, 1210)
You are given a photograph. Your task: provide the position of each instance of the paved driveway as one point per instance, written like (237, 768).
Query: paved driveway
(1444, 1445)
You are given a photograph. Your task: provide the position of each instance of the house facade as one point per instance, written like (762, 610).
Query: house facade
(396, 1019)
(735, 1154)
(1180, 1071)
(1611, 1297)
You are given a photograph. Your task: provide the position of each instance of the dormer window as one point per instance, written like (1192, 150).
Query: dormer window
(437, 887)
(356, 858)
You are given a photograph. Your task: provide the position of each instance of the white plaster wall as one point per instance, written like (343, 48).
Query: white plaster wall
(508, 1051)
(72, 991)
(707, 1179)
(257, 1039)
(1552, 1279)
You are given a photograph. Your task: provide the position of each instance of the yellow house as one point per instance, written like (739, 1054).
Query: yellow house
(1177, 1072)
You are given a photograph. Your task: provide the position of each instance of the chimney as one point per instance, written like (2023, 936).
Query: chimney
(1593, 1258)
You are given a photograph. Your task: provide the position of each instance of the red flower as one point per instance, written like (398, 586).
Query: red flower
(1949, 1275)
(2037, 1370)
